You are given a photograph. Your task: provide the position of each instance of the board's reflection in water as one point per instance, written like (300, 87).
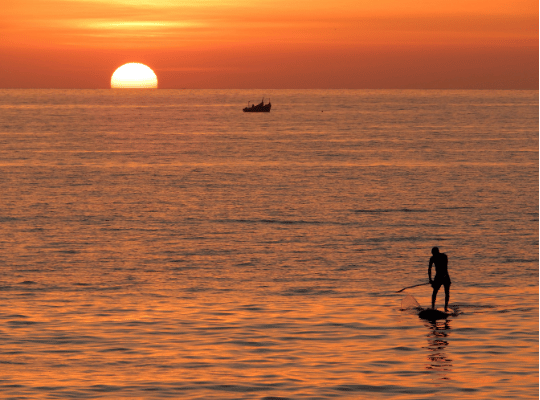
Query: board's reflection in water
(438, 361)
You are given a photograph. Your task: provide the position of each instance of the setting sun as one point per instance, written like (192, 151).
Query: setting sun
(134, 76)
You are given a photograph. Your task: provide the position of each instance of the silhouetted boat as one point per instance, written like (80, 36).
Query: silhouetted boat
(261, 107)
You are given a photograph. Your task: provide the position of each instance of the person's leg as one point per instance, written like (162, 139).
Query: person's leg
(446, 296)
(434, 295)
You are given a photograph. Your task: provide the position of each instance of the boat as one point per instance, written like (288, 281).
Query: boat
(261, 107)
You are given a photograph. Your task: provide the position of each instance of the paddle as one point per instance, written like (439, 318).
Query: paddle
(408, 287)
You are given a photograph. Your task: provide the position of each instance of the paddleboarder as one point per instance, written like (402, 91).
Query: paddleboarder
(441, 276)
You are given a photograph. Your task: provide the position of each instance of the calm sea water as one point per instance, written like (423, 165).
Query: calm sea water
(163, 244)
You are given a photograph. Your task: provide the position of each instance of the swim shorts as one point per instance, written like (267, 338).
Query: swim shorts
(438, 282)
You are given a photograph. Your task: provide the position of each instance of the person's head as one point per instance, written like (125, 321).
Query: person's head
(435, 250)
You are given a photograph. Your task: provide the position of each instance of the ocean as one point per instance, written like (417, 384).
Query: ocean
(162, 244)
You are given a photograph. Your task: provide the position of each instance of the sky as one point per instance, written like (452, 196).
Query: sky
(279, 44)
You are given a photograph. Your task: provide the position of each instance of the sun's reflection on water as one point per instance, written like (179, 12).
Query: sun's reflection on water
(437, 358)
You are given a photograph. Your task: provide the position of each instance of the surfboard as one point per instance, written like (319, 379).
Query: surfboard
(433, 315)
(410, 303)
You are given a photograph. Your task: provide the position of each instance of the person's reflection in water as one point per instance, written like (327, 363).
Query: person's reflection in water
(437, 344)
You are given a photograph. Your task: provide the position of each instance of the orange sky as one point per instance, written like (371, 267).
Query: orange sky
(272, 44)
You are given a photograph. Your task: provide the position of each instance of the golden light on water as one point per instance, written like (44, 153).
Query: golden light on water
(134, 76)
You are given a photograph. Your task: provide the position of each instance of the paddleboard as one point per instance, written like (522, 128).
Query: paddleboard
(433, 315)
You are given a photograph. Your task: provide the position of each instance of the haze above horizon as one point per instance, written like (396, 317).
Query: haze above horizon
(291, 45)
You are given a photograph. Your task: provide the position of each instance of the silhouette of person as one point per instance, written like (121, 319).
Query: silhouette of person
(441, 277)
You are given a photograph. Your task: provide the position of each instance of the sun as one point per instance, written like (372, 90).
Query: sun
(134, 76)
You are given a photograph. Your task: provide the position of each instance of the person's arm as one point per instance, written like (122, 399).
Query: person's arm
(429, 269)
